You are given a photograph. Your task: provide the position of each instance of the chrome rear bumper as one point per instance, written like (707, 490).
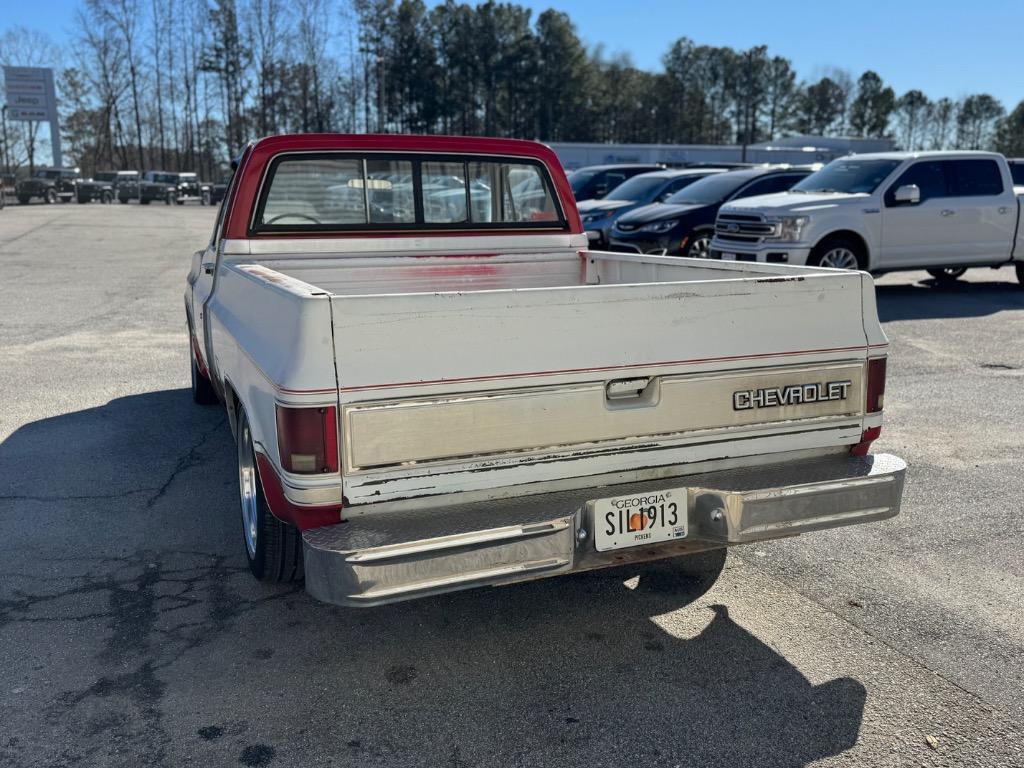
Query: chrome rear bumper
(383, 558)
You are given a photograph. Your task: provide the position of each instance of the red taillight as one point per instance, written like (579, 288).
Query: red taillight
(867, 437)
(307, 439)
(876, 384)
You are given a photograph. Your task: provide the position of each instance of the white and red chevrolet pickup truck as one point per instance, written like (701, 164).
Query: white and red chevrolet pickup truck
(434, 384)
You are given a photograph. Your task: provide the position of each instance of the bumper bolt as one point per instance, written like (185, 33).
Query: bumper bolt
(581, 534)
(717, 515)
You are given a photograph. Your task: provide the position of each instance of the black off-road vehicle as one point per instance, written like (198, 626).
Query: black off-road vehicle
(50, 185)
(100, 187)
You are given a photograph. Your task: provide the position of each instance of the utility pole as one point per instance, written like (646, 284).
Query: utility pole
(7, 149)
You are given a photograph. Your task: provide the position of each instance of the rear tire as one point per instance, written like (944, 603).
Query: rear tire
(838, 253)
(24, 199)
(107, 197)
(50, 196)
(947, 275)
(273, 549)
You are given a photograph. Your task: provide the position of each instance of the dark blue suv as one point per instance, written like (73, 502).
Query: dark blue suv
(595, 181)
(599, 215)
(684, 224)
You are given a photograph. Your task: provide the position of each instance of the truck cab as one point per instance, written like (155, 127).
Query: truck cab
(434, 384)
(940, 211)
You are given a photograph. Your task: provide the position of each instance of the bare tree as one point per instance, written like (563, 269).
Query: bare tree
(125, 16)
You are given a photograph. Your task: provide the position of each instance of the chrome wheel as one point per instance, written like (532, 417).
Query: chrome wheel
(839, 258)
(700, 248)
(247, 491)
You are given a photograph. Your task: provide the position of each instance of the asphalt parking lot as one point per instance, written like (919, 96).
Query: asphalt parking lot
(132, 634)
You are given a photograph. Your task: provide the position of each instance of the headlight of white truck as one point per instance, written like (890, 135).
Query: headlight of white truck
(791, 228)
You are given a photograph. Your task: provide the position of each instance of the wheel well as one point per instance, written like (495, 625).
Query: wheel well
(848, 234)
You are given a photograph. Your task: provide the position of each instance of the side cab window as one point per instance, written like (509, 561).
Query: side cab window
(932, 177)
(979, 177)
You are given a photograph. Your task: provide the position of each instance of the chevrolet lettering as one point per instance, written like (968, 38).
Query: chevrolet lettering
(794, 394)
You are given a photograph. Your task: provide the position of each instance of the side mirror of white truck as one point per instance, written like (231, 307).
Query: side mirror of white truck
(908, 194)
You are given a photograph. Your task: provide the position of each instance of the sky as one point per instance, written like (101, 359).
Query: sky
(941, 47)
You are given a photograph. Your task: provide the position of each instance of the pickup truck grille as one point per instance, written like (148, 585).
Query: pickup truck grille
(743, 228)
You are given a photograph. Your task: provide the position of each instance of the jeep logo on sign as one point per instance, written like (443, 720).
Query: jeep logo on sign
(792, 394)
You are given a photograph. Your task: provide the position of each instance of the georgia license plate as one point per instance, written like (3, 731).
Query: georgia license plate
(637, 519)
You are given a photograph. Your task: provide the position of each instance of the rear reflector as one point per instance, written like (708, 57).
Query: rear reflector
(876, 385)
(307, 439)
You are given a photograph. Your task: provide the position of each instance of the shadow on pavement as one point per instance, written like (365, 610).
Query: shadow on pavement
(121, 553)
(929, 299)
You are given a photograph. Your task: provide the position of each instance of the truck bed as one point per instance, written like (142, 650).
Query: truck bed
(439, 274)
(482, 374)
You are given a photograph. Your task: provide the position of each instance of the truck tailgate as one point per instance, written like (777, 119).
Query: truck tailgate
(485, 391)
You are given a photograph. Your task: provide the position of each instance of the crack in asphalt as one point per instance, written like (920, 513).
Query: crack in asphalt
(160, 607)
(188, 461)
(77, 497)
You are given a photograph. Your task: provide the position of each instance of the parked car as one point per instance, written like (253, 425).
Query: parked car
(595, 181)
(49, 184)
(126, 185)
(188, 188)
(146, 188)
(172, 188)
(655, 187)
(683, 225)
(218, 189)
(421, 406)
(939, 211)
(100, 186)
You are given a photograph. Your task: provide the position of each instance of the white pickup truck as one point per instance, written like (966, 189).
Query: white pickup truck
(940, 211)
(434, 385)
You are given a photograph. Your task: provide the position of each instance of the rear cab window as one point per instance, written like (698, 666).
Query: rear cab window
(339, 192)
(977, 178)
(1017, 172)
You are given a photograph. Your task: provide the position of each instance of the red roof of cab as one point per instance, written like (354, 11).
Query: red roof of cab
(256, 158)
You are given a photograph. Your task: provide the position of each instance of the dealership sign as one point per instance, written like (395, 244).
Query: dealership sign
(30, 95)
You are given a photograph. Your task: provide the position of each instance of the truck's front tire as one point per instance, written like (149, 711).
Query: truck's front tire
(272, 548)
(838, 252)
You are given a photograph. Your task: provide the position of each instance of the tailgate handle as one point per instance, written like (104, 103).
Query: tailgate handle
(631, 392)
